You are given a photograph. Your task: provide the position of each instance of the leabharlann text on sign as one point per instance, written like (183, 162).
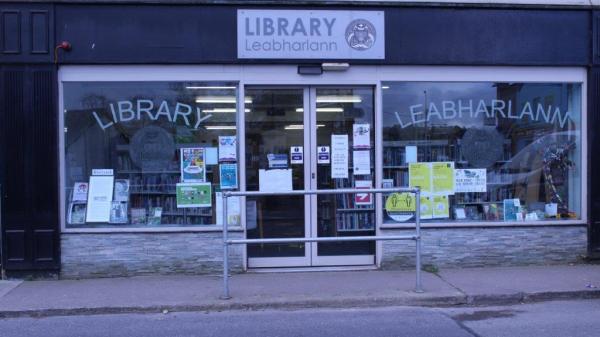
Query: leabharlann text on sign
(303, 34)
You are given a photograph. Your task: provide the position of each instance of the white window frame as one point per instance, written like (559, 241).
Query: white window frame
(355, 75)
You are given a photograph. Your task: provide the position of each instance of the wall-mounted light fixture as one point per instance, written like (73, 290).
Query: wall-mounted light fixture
(310, 69)
(335, 66)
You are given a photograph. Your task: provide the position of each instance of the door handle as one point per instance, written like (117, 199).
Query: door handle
(312, 175)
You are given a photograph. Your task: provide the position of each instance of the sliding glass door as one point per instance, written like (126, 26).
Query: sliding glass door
(309, 138)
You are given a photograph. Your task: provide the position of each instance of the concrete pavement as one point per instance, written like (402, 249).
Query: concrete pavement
(480, 286)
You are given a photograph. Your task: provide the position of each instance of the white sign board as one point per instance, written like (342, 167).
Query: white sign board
(99, 198)
(310, 34)
(470, 180)
(279, 180)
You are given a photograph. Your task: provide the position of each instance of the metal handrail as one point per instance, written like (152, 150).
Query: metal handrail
(227, 242)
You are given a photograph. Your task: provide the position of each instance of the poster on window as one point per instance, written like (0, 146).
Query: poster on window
(400, 207)
(339, 156)
(419, 175)
(193, 165)
(361, 162)
(442, 175)
(363, 198)
(361, 136)
(233, 210)
(441, 207)
(228, 176)
(470, 180)
(426, 207)
(227, 148)
(191, 195)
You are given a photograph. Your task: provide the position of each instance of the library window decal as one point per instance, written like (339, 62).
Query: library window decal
(149, 154)
(483, 151)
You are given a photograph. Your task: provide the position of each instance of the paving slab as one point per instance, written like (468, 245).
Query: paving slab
(535, 279)
(7, 286)
(340, 289)
(247, 291)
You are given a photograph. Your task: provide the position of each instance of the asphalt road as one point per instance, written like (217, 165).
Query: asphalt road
(568, 318)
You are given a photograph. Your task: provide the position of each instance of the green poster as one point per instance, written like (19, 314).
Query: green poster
(443, 177)
(193, 195)
(441, 207)
(419, 174)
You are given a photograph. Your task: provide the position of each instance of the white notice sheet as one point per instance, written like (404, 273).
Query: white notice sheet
(339, 156)
(278, 180)
(361, 161)
(362, 136)
(99, 198)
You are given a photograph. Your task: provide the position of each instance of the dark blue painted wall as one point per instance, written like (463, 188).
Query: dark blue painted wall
(440, 36)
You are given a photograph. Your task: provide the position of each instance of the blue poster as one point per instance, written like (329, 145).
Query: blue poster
(228, 174)
(512, 208)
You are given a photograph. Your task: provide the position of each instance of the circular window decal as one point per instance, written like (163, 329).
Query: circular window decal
(401, 206)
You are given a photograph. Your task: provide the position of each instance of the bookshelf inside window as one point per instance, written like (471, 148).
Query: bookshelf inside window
(477, 206)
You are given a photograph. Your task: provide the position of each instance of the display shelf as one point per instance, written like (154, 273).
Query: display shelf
(357, 230)
(355, 209)
(147, 172)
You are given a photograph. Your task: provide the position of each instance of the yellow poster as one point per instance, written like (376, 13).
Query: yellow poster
(419, 174)
(426, 207)
(400, 202)
(442, 177)
(441, 207)
(400, 207)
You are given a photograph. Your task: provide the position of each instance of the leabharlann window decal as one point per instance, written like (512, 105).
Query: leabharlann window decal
(495, 108)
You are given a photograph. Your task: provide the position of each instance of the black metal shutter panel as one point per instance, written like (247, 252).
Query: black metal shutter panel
(594, 161)
(31, 209)
(44, 187)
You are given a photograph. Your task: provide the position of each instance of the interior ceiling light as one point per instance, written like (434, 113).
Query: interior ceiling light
(385, 87)
(221, 99)
(222, 110)
(220, 127)
(299, 126)
(323, 110)
(339, 99)
(209, 88)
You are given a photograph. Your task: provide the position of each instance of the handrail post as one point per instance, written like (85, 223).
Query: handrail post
(416, 237)
(418, 286)
(225, 295)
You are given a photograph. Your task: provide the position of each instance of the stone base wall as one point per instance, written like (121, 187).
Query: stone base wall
(129, 254)
(490, 246)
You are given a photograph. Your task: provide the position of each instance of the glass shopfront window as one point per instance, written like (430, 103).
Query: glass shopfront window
(484, 151)
(149, 154)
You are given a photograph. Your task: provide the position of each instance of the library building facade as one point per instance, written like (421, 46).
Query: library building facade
(122, 125)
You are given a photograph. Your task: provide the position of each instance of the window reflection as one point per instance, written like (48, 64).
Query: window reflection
(524, 138)
(140, 130)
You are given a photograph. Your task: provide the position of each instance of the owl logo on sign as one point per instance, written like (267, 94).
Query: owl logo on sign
(360, 34)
